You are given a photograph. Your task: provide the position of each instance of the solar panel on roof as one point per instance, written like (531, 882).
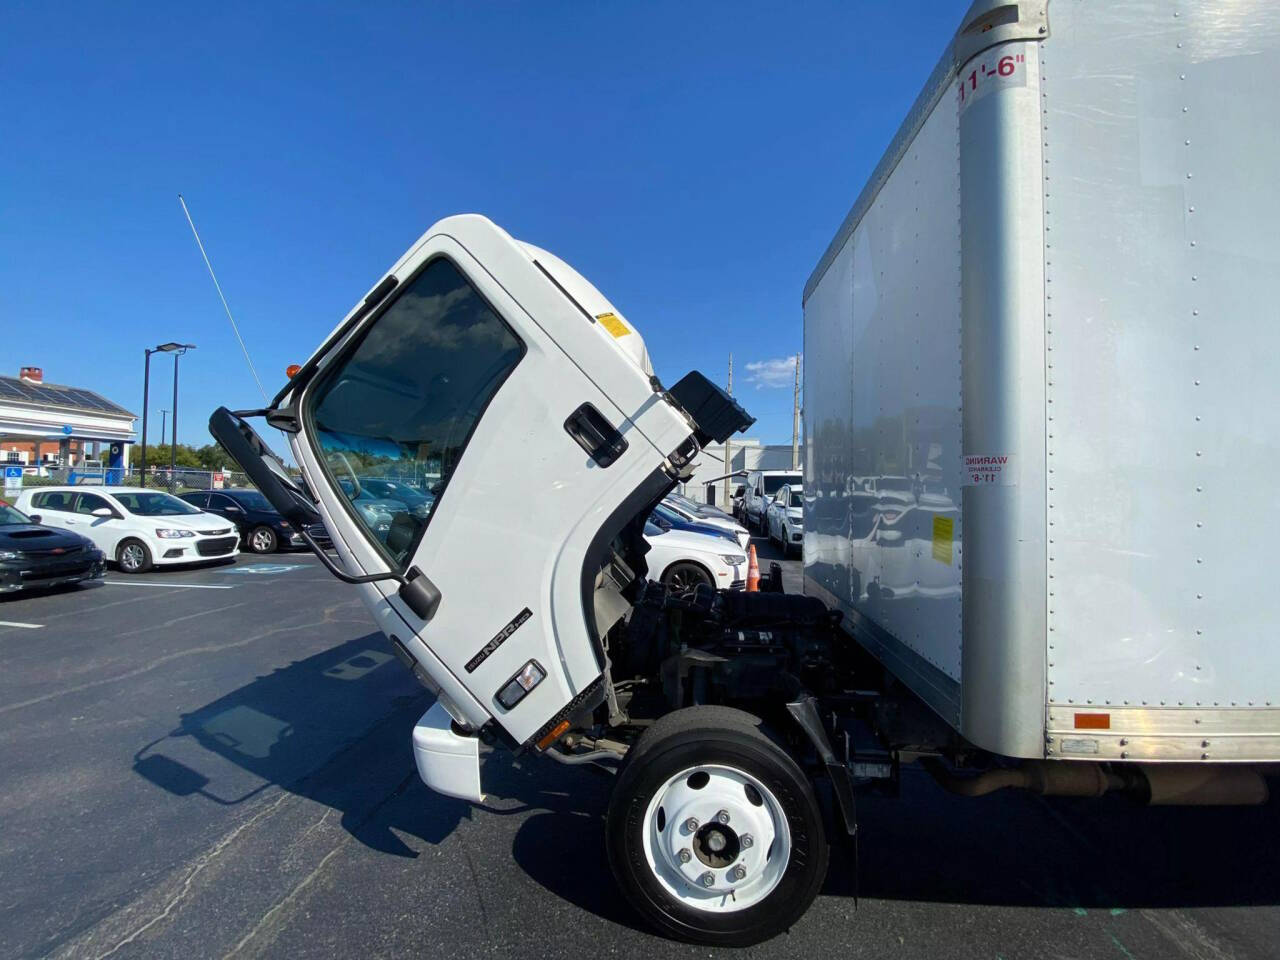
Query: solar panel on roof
(56, 396)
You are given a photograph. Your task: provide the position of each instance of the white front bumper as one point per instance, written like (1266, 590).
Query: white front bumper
(447, 762)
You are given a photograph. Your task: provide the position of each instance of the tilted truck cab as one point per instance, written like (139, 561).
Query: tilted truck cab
(482, 370)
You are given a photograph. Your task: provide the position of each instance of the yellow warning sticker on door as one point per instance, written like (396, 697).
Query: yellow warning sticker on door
(943, 531)
(611, 323)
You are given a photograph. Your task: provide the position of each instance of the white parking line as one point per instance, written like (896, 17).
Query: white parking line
(24, 626)
(178, 586)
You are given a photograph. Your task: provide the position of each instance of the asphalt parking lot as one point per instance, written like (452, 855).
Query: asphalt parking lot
(215, 762)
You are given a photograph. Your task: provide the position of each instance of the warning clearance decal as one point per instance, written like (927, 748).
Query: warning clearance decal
(989, 469)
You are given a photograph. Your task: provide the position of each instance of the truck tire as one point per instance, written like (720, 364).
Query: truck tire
(703, 793)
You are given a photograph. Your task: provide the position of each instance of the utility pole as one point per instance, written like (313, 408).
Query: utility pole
(728, 454)
(795, 422)
(163, 420)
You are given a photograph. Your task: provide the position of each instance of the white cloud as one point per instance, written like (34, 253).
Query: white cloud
(779, 372)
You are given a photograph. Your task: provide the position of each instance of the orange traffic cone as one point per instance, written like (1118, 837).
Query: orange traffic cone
(753, 570)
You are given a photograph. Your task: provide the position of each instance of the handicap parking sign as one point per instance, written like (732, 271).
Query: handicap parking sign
(12, 479)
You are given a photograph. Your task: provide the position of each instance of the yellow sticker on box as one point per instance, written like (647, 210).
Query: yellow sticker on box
(943, 532)
(613, 324)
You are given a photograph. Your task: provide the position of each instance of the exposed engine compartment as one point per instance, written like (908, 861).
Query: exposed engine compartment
(709, 646)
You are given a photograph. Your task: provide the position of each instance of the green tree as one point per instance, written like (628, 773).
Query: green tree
(213, 457)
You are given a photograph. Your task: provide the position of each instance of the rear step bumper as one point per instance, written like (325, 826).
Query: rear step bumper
(448, 762)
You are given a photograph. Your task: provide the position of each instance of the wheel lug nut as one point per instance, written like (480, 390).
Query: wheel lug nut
(746, 841)
(723, 816)
(737, 873)
(691, 824)
(707, 879)
(684, 855)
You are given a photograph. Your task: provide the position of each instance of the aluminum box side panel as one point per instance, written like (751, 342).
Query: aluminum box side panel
(1004, 400)
(1162, 143)
(882, 417)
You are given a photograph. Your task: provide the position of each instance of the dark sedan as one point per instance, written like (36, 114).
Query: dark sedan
(261, 527)
(33, 557)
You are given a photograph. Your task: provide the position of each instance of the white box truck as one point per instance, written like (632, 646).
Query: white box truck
(1040, 394)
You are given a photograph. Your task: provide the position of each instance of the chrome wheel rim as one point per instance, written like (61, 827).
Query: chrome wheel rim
(261, 541)
(131, 557)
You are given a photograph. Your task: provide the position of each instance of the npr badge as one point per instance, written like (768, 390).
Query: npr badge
(498, 640)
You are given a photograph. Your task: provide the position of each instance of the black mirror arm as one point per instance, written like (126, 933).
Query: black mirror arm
(339, 572)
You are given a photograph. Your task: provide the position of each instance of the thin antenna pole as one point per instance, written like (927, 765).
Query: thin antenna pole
(217, 286)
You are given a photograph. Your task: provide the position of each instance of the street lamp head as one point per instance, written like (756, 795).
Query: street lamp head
(171, 347)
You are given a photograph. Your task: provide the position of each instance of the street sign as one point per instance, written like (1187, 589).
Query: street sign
(12, 479)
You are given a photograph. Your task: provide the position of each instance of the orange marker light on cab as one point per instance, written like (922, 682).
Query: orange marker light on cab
(292, 369)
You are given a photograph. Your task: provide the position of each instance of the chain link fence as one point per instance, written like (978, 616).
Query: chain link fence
(178, 480)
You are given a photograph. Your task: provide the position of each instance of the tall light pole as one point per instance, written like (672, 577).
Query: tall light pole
(163, 421)
(728, 449)
(174, 348)
(795, 422)
(173, 446)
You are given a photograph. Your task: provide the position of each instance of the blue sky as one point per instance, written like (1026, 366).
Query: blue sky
(692, 160)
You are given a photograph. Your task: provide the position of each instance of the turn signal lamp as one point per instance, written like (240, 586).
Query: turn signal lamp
(514, 690)
(554, 735)
(292, 369)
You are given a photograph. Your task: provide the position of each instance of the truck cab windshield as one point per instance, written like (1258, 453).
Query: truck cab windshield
(404, 398)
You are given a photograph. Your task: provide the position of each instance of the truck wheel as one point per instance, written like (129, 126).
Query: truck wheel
(713, 831)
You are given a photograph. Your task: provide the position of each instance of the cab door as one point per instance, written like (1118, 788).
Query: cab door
(481, 384)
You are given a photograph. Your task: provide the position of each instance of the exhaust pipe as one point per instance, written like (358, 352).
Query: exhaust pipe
(1175, 784)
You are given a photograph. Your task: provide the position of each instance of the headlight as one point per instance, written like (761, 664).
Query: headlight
(9, 555)
(164, 533)
(733, 559)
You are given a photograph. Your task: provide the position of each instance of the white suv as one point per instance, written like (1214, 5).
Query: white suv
(784, 518)
(761, 487)
(136, 527)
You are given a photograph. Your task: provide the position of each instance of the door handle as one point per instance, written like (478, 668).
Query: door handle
(596, 435)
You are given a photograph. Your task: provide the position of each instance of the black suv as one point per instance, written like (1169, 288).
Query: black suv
(260, 524)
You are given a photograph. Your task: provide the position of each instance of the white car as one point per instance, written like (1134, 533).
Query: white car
(784, 518)
(717, 520)
(134, 526)
(682, 560)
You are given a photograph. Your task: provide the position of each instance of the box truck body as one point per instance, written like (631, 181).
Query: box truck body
(1047, 327)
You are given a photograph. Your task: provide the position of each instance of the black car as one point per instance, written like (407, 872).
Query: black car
(260, 524)
(33, 557)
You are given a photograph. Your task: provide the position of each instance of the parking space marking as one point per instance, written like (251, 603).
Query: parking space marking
(177, 586)
(24, 626)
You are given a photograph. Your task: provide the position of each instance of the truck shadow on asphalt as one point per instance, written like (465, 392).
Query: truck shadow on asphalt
(334, 728)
